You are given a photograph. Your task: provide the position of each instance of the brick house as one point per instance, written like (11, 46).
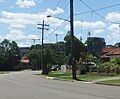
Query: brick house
(110, 54)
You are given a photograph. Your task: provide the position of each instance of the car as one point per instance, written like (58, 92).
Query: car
(89, 63)
(55, 67)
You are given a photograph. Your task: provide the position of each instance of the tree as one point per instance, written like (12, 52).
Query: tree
(79, 47)
(35, 58)
(10, 55)
(117, 45)
(14, 54)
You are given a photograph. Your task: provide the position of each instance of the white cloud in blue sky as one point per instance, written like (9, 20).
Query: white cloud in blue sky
(113, 16)
(17, 22)
(19, 19)
(2, 0)
(26, 3)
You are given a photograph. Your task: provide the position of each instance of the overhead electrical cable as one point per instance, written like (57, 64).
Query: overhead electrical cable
(64, 9)
(54, 30)
(89, 31)
(58, 18)
(98, 13)
(97, 9)
(57, 5)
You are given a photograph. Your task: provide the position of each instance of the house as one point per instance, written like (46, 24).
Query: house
(25, 60)
(110, 54)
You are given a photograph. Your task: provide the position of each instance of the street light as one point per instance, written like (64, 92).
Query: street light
(58, 18)
(72, 42)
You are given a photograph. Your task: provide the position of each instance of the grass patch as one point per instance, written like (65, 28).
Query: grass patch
(3, 72)
(60, 75)
(110, 82)
(91, 77)
(68, 76)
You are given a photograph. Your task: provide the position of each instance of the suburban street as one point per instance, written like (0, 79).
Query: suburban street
(29, 85)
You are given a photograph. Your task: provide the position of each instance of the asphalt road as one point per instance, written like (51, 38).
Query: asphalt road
(28, 85)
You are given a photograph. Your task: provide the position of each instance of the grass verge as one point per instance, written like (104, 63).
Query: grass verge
(68, 76)
(3, 72)
(110, 82)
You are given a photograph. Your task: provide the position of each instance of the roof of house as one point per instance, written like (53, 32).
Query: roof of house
(106, 50)
(115, 51)
(25, 60)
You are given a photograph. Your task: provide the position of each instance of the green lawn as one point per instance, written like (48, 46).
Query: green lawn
(68, 76)
(91, 77)
(110, 82)
(60, 75)
(3, 72)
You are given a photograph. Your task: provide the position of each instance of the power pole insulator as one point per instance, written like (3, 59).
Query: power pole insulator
(44, 68)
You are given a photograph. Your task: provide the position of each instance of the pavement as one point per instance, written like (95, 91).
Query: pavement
(105, 79)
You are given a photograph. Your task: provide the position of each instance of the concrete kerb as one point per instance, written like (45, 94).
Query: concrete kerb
(82, 81)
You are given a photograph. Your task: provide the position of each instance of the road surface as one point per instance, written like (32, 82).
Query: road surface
(28, 85)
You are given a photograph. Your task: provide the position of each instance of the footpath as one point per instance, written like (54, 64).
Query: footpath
(105, 79)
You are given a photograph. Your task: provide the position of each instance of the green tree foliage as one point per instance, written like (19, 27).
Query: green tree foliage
(35, 57)
(9, 55)
(80, 48)
(52, 54)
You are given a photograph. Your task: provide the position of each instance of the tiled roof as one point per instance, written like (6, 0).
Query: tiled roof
(106, 50)
(115, 51)
(25, 60)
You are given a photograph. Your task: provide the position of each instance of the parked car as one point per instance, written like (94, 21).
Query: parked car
(89, 63)
(55, 67)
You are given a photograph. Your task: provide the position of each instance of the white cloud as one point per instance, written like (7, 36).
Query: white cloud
(98, 31)
(17, 23)
(113, 16)
(59, 32)
(114, 28)
(97, 24)
(86, 25)
(52, 12)
(26, 3)
(16, 26)
(18, 35)
(67, 27)
(114, 34)
(26, 19)
(2, 0)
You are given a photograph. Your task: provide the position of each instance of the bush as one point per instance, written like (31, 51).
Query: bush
(117, 61)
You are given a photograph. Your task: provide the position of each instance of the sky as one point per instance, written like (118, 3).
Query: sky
(19, 20)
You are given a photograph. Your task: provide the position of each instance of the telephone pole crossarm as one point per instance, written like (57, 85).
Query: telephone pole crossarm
(44, 68)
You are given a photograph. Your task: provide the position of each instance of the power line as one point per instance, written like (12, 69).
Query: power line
(97, 9)
(58, 14)
(64, 10)
(57, 4)
(98, 13)
(54, 30)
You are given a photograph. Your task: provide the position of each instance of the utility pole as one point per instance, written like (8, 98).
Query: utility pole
(89, 34)
(56, 37)
(72, 40)
(44, 68)
(34, 41)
